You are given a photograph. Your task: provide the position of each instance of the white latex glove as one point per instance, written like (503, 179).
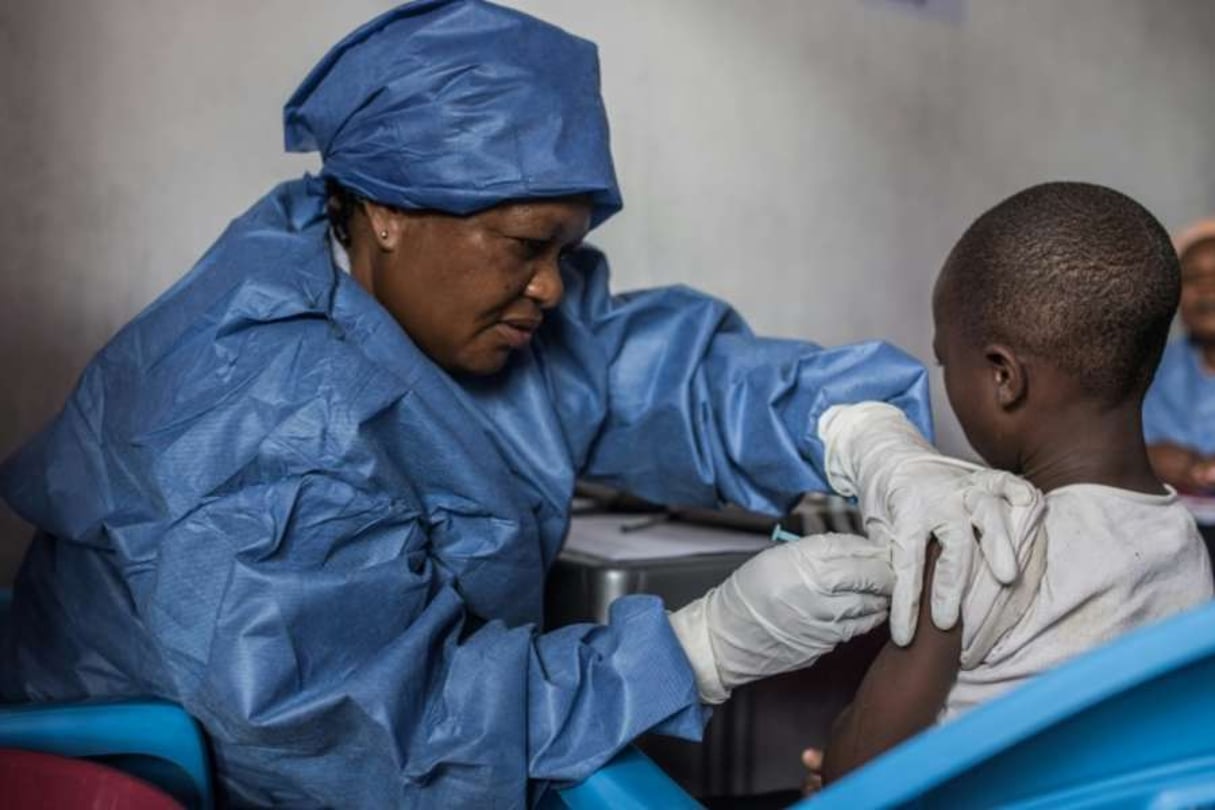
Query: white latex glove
(782, 609)
(909, 492)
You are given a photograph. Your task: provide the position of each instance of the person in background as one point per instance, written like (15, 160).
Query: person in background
(1179, 410)
(1051, 314)
(311, 493)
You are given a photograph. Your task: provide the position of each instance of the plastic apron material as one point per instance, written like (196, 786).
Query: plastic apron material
(1180, 406)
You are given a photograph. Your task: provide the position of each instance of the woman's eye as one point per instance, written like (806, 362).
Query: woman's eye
(531, 248)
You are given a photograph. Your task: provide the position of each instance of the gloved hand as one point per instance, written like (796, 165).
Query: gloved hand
(782, 609)
(909, 492)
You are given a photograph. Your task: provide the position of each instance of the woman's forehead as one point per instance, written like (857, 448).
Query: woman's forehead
(565, 216)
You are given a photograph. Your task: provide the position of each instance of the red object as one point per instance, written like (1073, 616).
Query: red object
(34, 781)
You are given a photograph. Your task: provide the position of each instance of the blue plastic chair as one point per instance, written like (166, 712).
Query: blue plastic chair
(1131, 724)
(143, 738)
(152, 740)
(160, 743)
(630, 781)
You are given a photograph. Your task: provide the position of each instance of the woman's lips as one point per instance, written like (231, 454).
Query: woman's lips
(517, 333)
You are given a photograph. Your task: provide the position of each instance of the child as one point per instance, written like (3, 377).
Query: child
(1051, 314)
(1179, 411)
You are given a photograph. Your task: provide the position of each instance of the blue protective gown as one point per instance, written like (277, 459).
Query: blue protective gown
(1180, 406)
(263, 502)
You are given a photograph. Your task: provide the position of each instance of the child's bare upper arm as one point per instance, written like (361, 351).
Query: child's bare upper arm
(901, 695)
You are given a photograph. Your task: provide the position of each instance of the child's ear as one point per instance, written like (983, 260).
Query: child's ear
(1009, 376)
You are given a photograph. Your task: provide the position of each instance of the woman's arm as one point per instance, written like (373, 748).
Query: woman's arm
(901, 695)
(697, 409)
(334, 661)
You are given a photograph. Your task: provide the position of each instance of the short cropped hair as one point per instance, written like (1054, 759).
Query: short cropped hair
(1075, 273)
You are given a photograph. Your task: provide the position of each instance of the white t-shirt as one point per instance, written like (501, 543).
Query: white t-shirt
(1114, 560)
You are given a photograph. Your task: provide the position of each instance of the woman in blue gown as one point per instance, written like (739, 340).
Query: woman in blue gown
(311, 493)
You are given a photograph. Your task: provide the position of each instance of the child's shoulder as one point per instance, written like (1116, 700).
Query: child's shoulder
(1104, 531)
(1067, 499)
(1096, 510)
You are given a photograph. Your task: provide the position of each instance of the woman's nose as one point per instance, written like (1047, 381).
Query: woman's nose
(546, 287)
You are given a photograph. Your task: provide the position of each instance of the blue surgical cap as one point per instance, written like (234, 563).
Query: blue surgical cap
(456, 106)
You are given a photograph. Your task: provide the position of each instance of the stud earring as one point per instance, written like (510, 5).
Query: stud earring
(383, 234)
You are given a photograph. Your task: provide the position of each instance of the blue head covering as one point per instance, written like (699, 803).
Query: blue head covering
(458, 105)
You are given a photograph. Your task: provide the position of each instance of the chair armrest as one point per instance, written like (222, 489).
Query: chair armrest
(152, 729)
(630, 780)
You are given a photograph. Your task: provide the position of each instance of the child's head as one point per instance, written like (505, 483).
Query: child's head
(1060, 296)
(1196, 247)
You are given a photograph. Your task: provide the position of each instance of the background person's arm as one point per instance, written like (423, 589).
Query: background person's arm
(1181, 467)
(1171, 423)
(901, 695)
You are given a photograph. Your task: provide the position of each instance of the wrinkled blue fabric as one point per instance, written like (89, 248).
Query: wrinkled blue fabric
(457, 106)
(1180, 406)
(265, 503)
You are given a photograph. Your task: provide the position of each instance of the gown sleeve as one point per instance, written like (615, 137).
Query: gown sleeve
(330, 651)
(700, 411)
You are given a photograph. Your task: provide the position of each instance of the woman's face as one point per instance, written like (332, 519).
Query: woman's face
(470, 290)
(1198, 291)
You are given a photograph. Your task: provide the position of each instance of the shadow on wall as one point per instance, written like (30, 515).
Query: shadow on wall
(45, 334)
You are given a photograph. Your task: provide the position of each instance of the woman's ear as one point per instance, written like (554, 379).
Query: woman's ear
(387, 225)
(1009, 376)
